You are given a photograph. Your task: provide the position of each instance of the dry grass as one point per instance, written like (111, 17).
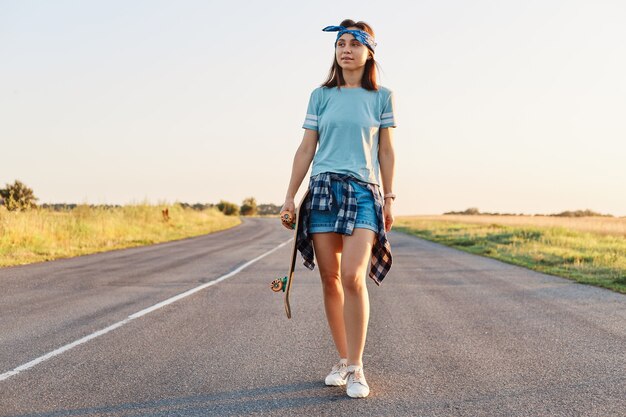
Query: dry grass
(603, 225)
(42, 234)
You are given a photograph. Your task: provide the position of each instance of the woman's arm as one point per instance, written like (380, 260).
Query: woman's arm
(386, 158)
(301, 161)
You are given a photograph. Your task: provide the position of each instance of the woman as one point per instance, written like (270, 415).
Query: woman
(344, 215)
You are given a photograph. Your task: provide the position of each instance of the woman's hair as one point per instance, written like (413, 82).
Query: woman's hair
(335, 75)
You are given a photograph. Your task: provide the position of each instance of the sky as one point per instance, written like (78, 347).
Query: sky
(506, 106)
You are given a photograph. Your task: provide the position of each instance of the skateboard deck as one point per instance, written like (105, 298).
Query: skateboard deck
(284, 284)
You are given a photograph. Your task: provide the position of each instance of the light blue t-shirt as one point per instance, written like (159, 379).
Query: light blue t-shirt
(348, 121)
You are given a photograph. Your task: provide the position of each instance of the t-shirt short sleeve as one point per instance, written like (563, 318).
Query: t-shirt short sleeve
(387, 118)
(312, 111)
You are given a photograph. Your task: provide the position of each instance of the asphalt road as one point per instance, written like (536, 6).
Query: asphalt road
(450, 334)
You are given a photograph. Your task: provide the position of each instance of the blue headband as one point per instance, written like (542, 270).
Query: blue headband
(360, 35)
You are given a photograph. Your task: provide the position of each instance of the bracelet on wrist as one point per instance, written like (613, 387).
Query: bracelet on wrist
(390, 195)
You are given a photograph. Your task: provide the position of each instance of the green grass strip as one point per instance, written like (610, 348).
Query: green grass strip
(587, 258)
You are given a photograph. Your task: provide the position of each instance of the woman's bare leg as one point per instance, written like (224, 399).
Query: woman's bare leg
(328, 248)
(355, 261)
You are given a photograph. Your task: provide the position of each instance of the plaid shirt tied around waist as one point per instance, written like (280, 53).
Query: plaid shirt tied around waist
(320, 197)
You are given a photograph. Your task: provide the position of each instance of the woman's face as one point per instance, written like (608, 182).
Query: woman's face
(350, 53)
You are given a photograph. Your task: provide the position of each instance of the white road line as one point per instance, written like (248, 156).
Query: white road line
(134, 316)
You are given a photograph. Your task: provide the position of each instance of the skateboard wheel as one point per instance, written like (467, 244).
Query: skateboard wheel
(288, 219)
(279, 284)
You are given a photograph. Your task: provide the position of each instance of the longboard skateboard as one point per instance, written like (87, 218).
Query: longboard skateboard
(284, 284)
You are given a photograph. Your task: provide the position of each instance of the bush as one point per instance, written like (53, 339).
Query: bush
(18, 197)
(248, 207)
(470, 211)
(580, 213)
(229, 209)
(268, 209)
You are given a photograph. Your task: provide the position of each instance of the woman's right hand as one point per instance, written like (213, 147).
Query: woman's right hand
(290, 207)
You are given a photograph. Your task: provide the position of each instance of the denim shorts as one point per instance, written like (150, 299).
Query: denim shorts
(324, 221)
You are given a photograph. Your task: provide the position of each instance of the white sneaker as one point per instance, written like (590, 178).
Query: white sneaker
(337, 375)
(357, 385)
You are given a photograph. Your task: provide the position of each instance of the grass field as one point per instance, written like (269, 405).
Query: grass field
(602, 225)
(590, 250)
(43, 234)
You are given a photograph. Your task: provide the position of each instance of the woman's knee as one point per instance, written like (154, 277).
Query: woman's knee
(353, 282)
(331, 281)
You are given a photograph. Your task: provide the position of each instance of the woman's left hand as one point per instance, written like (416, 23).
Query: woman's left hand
(388, 214)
